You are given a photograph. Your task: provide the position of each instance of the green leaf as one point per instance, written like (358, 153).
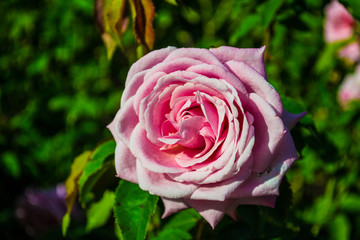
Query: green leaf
(72, 187)
(99, 212)
(268, 11)
(245, 27)
(179, 225)
(133, 208)
(94, 169)
(173, 234)
(339, 228)
(65, 223)
(351, 203)
(11, 164)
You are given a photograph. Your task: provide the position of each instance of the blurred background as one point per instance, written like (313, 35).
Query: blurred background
(59, 90)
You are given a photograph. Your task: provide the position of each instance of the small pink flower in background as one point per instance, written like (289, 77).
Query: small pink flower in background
(350, 88)
(351, 52)
(203, 129)
(339, 26)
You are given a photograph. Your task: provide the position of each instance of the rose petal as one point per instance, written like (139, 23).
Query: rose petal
(199, 54)
(212, 211)
(220, 72)
(152, 77)
(220, 191)
(290, 119)
(256, 83)
(172, 206)
(132, 87)
(148, 61)
(253, 57)
(160, 184)
(150, 156)
(125, 121)
(125, 163)
(269, 131)
(268, 182)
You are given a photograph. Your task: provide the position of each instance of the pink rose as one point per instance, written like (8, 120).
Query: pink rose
(351, 52)
(339, 26)
(350, 88)
(203, 129)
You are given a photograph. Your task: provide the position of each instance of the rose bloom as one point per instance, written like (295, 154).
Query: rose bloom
(350, 88)
(203, 129)
(339, 26)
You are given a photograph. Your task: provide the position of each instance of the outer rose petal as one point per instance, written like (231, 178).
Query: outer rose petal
(212, 211)
(269, 131)
(256, 83)
(162, 185)
(172, 206)
(268, 182)
(253, 57)
(125, 163)
(290, 119)
(126, 120)
(148, 61)
(200, 54)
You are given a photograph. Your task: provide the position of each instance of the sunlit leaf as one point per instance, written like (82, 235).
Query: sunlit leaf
(65, 223)
(143, 12)
(109, 18)
(71, 185)
(340, 228)
(133, 208)
(94, 169)
(100, 212)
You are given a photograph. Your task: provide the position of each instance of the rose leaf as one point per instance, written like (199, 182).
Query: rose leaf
(132, 209)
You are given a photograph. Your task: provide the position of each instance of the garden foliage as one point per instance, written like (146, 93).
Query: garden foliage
(61, 82)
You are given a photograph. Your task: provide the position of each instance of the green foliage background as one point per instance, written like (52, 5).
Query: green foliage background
(58, 91)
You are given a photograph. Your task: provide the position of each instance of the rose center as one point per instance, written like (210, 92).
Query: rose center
(186, 124)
